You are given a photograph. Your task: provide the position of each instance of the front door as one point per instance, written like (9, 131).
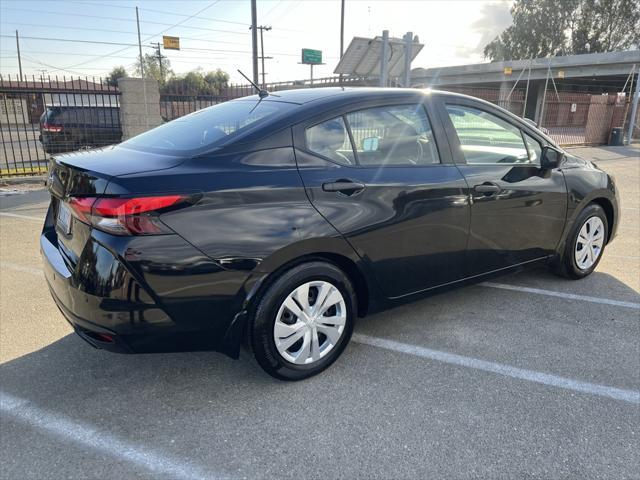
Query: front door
(382, 177)
(518, 209)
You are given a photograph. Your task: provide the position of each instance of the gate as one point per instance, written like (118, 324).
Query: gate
(39, 117)
(583, 118)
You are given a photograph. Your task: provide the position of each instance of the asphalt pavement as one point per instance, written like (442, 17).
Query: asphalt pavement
(526, 376)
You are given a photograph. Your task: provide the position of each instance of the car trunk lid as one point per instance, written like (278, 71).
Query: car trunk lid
(76, 176)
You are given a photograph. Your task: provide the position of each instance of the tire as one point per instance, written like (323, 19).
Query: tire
(274, 325)
(572, 265)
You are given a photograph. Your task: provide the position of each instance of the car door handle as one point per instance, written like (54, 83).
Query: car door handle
(487, 188)
(346, 187)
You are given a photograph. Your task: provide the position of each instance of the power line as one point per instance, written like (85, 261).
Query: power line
(99, 57)
(135, 45)
(179, 59)
(234, 32)
(144, 9)
(91, 29)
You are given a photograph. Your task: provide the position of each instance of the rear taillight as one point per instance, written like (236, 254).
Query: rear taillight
(48, 127)
(126, 216)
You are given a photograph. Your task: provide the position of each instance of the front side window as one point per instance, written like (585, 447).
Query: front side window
(486, 138)
(394, 135)
(331, 139)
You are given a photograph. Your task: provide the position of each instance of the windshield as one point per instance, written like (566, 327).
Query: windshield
(207, 128)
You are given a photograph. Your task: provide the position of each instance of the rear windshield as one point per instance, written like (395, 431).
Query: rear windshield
(209, 127)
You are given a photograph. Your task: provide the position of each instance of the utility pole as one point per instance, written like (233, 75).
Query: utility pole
(262, 28)
(144, 81)
(19, 59)
(634, 108)
(156, 45)
(254, 39)
(341, 34)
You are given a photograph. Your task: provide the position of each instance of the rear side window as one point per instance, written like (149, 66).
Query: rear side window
(393, 135)
(331, 140)
(485, 138)
(208, 127)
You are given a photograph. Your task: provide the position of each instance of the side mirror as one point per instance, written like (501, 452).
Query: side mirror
(551, 158)
(370, 144)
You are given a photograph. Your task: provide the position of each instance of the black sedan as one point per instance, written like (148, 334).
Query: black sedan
(277, 221)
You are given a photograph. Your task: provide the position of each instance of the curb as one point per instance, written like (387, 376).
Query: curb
(18, 180)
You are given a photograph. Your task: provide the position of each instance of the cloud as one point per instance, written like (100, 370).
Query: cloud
(495, 17)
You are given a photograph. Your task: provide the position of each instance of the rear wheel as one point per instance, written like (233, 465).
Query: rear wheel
(585, 243)
(303, 321)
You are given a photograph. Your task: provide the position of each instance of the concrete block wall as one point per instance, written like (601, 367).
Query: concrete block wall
(135, 117)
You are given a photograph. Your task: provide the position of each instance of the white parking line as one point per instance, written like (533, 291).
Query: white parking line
(24, 217)
(88, 435)
(630, 396)
(568, 296)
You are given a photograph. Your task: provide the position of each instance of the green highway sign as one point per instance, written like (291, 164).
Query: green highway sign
(311, 57)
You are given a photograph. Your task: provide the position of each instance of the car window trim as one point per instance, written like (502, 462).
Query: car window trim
(351, 140)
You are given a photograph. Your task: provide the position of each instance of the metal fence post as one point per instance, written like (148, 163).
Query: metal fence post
(384, 58)
(634, 110)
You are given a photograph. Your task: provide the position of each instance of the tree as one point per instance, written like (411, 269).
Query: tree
(197, 83)
(152, 68)
(544, 28)
(606, 26)
(217, 80)
(115, 74)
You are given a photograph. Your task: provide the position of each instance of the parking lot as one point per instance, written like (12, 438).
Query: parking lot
(526, 376)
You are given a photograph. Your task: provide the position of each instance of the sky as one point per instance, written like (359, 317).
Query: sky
(215, 33)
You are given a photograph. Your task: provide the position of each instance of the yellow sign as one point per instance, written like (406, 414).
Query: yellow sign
(560, 73)
(171, 43)
(508, 70)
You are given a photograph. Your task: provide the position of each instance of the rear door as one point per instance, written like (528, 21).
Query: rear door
(517, 209)
(383, 176)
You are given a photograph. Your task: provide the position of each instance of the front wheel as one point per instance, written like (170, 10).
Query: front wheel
(585, 243)
(303, 321)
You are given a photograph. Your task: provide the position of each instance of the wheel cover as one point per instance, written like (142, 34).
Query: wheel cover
(589, 243)
(310, 322)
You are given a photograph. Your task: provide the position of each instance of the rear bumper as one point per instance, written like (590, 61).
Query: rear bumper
(142, 307)
(94, 335)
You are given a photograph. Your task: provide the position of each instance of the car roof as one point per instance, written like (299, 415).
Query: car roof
(318, 95)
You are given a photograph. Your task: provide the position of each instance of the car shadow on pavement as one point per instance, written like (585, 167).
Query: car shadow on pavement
(70, 367)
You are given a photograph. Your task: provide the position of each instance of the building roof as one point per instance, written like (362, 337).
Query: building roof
(571, 66)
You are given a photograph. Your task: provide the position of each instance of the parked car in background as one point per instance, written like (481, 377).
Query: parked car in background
(69, 128)
(280, 220)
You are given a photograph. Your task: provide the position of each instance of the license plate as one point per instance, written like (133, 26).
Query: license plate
(64, 218)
